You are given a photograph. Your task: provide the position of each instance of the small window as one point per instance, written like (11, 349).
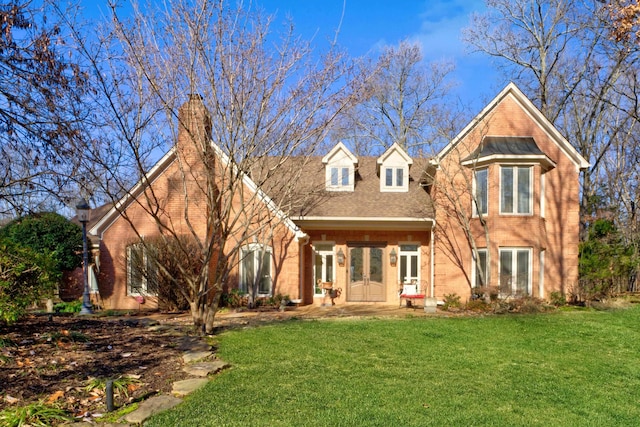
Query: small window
(339, 178)
(394, 178)
(142, 277)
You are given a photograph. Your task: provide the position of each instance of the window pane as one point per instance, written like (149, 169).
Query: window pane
(414, 266)
(329, 268)
(481, 268)
(345, 176)
(507, 189)
(482, 191)
(136, 260)
(403, 268)
(409, 248)
(248, 268)
(318, 274)
(399, 177)
(265, 274)
(334, 176)
(356, 264)
(506, 267)
(388, 177)
(522, 277)
(524, 190)
(375, 264)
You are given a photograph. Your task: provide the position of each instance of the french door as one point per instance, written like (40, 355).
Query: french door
(366, 274)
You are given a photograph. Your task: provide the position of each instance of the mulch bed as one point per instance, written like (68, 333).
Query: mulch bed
(54, 359)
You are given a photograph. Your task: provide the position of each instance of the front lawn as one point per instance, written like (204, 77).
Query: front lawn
(575, 368)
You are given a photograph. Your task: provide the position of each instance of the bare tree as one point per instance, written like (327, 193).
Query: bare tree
(562, 55)
(401, 102)
(257, 98)
(40, 91)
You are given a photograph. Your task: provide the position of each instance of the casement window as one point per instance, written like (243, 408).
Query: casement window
(516, 194)
(255, 269)
(142, 273)
(323, 266)
(394, 178)
(481, 191)
(480, 268)
(409, 258)
(340, 177)
(515, 271)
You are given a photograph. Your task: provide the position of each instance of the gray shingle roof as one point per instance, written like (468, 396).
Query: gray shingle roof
(505, 145)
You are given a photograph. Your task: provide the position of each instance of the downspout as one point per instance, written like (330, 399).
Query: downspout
(303, 241)
(433, 263)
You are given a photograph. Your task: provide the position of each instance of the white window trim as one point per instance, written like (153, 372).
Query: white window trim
(339, 186)
(474, 197)
(543, 202)
(541, 275)
(324, 253)
(259, 248)
(407, 253)
(474, 270)
(393, 188)
(144, 285)
(514, 261)
(515, 187)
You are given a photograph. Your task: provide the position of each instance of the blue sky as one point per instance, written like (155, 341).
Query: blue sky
(368, 25)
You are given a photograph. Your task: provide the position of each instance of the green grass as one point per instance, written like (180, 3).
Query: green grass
(569, 368)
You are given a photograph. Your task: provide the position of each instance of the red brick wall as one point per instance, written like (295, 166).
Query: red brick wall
(557, 232)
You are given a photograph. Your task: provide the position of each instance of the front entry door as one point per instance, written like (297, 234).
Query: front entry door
(366, 278)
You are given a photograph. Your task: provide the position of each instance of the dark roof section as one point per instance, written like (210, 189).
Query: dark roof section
(307, 196)
(505, 145)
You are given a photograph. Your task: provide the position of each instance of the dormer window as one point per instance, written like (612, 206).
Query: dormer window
(393, 168)
(340, 166)
(340, 177)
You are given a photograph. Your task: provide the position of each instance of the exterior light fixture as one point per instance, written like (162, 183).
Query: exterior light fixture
(83, 213)
(340, 257)
(393, 256)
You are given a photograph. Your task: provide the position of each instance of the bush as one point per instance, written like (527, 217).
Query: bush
(68, 307)
(25, 278)
(234, 299)
(557, 299)
(451, 301)
(478, 305)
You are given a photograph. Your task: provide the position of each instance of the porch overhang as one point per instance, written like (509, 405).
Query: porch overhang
(364, 223)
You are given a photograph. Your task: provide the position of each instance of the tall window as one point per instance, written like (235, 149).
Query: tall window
(515, 271)
(255, 269)
(409, 258)
(516, 190)
(323, 266)
(142, 274)
(480, 268)
(481, 182)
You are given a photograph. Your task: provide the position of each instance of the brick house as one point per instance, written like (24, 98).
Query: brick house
(498, 206)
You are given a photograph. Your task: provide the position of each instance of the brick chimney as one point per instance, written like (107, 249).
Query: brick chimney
(194, 132)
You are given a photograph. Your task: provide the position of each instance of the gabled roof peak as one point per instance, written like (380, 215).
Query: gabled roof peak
(340, 147)
(395, 148)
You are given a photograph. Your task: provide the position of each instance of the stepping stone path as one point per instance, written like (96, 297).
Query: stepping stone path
(196, 353)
